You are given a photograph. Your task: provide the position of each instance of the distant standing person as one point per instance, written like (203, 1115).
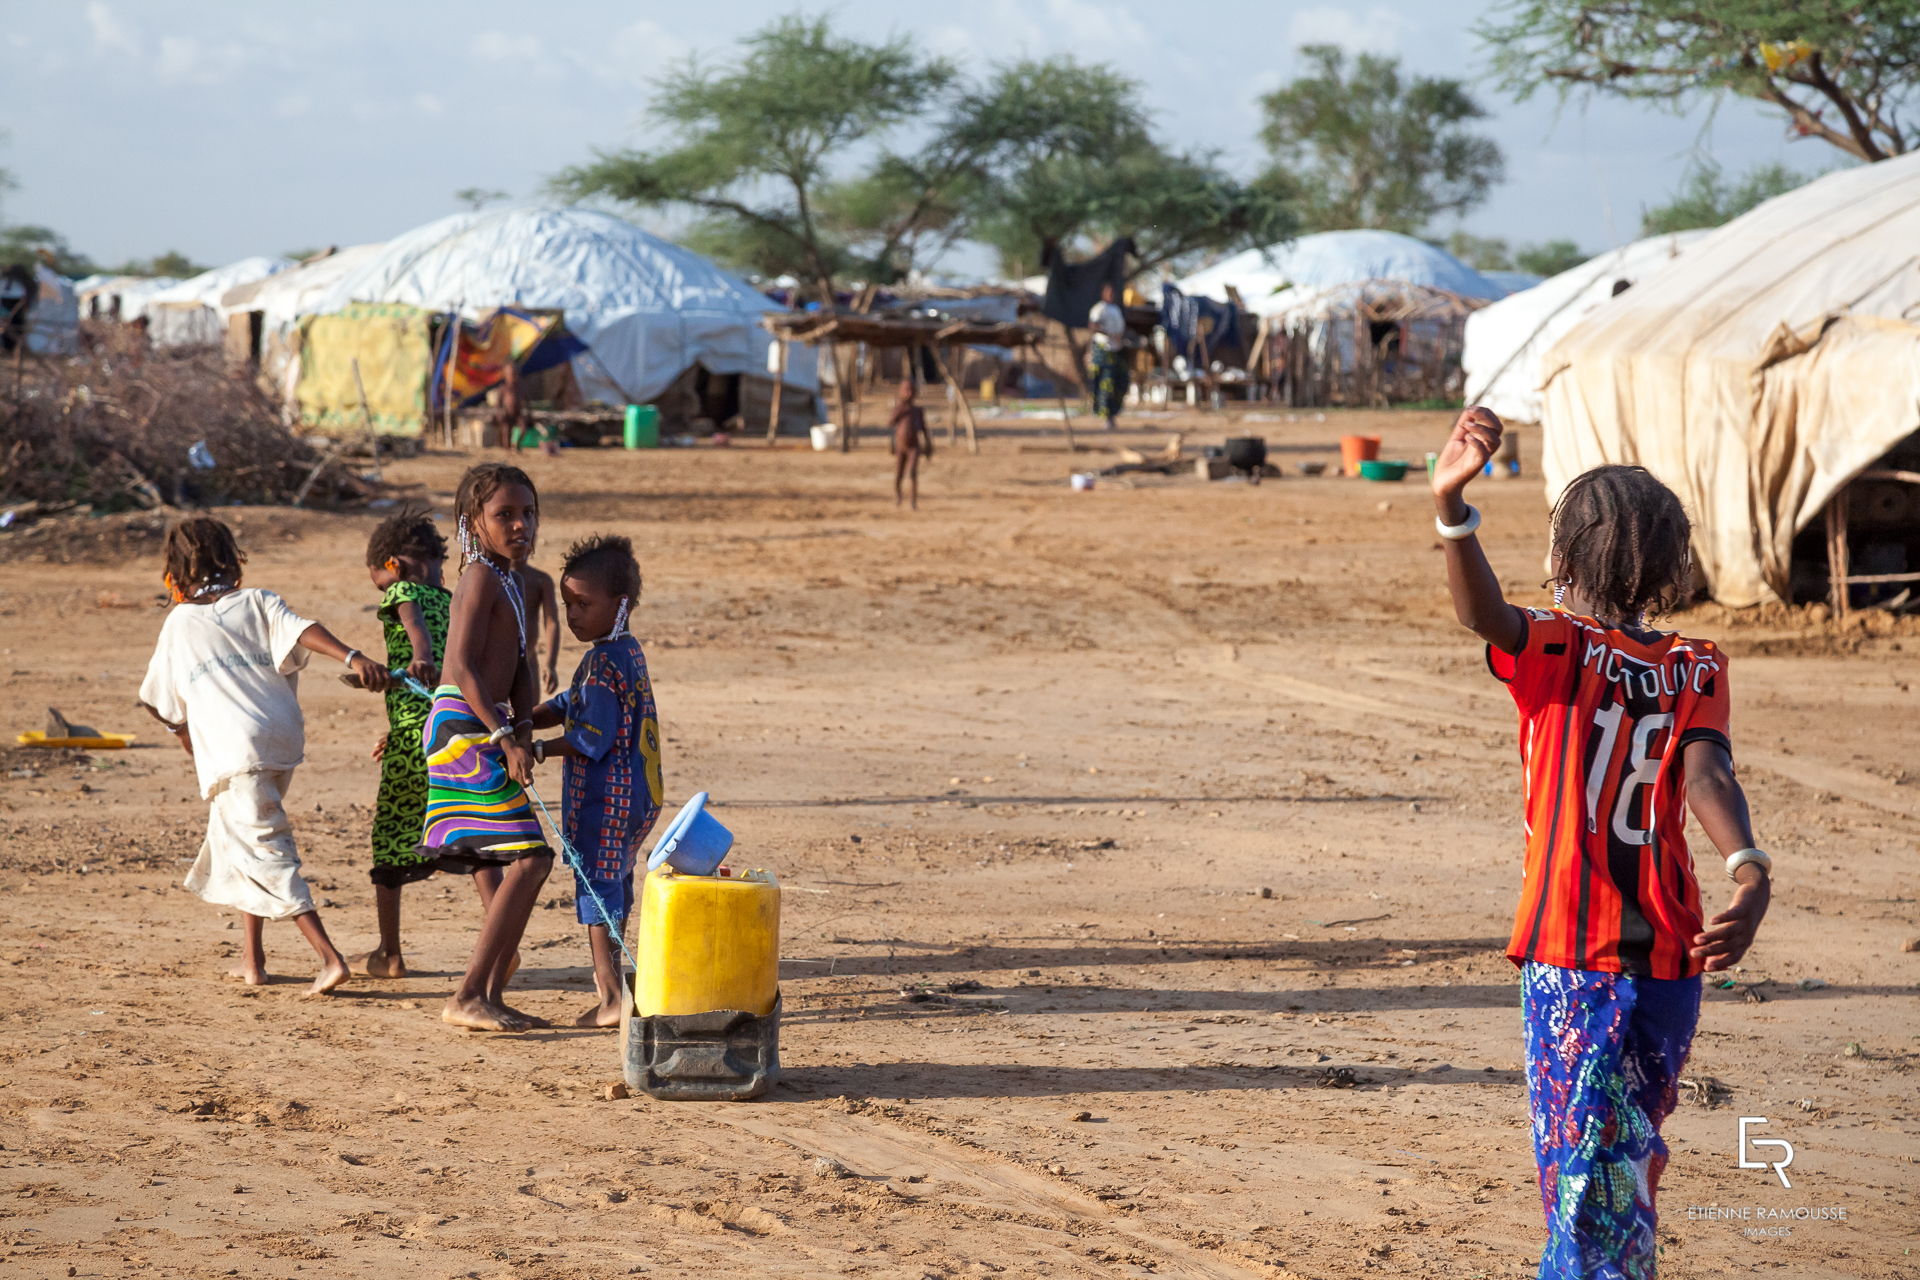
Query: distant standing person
(509, 411)
(911, 441)
(1109, 325)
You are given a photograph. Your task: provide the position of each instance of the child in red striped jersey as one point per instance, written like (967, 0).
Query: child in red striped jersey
(1622, 729)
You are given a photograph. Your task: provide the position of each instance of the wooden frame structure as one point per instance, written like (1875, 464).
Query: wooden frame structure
(1839, 518)
(936, 335)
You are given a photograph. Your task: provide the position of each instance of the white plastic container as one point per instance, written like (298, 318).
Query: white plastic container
(1081, 481)
(825, 436)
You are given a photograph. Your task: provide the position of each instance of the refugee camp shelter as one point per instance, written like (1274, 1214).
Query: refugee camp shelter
(1505, 340)
(1771, 376)
(122, 298)
(263, 315)
(189, 313)
(1352, 317)
(652, 315)
(53, 325)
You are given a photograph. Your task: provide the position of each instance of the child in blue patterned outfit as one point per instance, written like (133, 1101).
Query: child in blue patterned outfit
(611, 745)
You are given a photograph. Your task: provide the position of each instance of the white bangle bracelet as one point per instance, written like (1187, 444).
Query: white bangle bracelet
(347, 661)
(1742, 858)
(498, 735)
(1458, 532)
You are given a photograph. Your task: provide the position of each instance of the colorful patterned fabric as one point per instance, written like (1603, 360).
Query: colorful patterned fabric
(476, 816)
(400, 812)
(610, 799)
(1604, 721)
(1109, 380)
(1604, 1056)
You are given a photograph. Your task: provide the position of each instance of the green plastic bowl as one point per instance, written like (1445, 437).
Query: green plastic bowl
(1375, 469)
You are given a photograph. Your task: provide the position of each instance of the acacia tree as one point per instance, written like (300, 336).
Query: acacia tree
(753, 141)
(1368, 146)
(1843, 71)
(1708, 198)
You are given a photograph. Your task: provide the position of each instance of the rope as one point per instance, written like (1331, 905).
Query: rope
(575, 861)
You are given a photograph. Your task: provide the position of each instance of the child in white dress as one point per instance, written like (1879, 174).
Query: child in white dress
(223, 679)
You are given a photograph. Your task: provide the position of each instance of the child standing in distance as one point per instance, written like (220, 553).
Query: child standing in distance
(543, 624)
(478, 738)
(1621, 729)
(911, 441)
(611, 789)
(224, 679)
(405, 557)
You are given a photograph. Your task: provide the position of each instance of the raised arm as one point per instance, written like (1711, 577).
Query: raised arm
(373, 676)
(414, 620)
(1720, 806)
(1477, 599)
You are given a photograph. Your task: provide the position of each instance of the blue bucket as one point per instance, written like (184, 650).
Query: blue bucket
(694, 843)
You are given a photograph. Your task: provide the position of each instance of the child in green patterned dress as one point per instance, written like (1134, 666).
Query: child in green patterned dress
(405, 557)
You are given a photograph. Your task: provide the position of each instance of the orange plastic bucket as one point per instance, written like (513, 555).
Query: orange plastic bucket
(1355, 450)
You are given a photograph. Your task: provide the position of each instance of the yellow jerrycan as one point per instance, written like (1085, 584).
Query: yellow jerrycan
(705, 1022)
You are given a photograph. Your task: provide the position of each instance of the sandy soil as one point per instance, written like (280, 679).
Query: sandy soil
(1198, 783)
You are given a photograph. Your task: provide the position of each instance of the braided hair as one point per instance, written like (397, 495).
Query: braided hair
(409, 532)
(200, 553)
(1624, 540)
(481, 482)
(608, 560)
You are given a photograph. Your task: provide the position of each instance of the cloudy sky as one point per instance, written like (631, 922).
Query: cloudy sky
(225, 129)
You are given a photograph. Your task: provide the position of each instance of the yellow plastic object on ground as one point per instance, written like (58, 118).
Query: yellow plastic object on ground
(105, 742)
(707, 943)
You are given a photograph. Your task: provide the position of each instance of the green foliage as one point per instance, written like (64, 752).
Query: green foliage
(477, 198)
(752, 140)
(1370, 147)
(1482, 253)
(1707, 198)
(20, 245)
(1842, 71)
(1551, 258)
(170, 263)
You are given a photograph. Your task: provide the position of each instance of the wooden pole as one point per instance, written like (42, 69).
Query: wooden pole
(779, 387)
(953, 417)
(973, 440)
(1066, 418)
(1837, 558)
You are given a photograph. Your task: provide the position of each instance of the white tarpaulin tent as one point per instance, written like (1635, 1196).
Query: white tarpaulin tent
(132, 293)
(1506, 340)
(1282, 276)
(1763, 370)
(190, 312)
(647, 309)
(284, 297)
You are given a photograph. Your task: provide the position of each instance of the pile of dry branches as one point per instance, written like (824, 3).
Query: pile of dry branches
(125, 428)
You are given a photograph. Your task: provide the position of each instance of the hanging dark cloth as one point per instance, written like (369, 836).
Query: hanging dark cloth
(1073, 287)
(1184, 317)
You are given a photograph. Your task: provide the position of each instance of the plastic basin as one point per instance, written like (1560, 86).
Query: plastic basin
(1374, 469)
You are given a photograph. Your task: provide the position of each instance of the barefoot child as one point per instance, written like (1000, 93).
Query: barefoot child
(611, 787)
(405, 557)
(911, 441)
(543, 625)
(1621, 729)
(224, 680)
(477, 739)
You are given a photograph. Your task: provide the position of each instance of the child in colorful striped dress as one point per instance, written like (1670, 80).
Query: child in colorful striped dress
(1622, 728)
(478, 739)
(611, 746)
(405, 557)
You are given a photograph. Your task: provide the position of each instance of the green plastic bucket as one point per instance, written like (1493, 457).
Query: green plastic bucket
(643, 426)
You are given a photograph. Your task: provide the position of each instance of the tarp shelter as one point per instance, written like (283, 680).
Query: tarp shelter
(281, 300)
(121, 298)
(190, 313)
(1352, 317)
(1759, 374)
(53, 326)
(647, 309)
(1504, 341)
(386, 348)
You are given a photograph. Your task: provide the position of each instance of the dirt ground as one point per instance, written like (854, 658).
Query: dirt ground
(1148, 852)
